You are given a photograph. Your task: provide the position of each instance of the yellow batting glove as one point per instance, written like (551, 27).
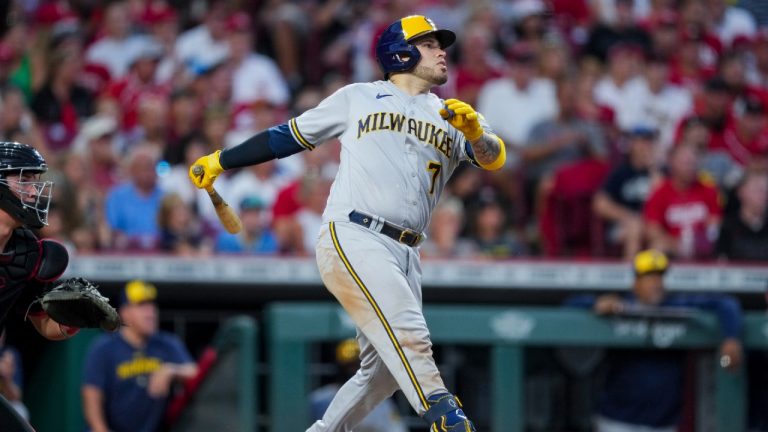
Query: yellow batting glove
(211, 168)
(463, 117)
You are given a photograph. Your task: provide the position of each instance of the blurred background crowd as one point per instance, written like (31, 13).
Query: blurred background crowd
(629, 123)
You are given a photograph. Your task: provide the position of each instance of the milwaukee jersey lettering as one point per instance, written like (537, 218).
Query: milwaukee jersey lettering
(397, 153)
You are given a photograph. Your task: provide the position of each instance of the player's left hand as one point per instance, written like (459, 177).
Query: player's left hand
(463, 117)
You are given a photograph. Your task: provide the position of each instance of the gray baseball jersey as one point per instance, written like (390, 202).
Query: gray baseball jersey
(397, 153)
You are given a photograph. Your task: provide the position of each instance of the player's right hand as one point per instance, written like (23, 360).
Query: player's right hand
(211, 169)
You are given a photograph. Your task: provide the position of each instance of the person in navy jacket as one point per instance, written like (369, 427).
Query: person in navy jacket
(643, 389)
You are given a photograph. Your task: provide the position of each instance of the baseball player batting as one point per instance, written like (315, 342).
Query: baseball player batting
(399, 145)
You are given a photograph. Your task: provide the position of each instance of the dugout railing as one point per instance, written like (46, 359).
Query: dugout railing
(292, 328)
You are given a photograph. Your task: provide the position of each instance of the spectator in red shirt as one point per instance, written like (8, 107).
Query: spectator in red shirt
(713, 108)
(683, 214)
(747, 135)
(138, 84)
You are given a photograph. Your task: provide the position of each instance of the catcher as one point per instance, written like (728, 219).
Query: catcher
(30, 267)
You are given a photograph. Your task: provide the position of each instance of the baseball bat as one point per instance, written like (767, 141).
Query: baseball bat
(227, 216)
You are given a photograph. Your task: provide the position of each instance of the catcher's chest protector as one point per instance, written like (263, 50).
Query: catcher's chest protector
(19, 263)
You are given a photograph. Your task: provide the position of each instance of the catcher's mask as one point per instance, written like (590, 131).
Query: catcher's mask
(394, 51)
(22, 194)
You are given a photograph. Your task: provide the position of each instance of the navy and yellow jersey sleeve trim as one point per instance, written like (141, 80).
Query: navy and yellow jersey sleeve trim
(298, 136)
(283, 142)
(493, 166)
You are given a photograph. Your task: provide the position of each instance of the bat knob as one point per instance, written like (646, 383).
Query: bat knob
(198, 170)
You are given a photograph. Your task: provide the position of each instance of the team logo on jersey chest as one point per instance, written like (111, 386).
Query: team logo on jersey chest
(424, 131)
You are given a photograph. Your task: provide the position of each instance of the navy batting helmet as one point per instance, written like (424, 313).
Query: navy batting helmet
(24, 197)
(394, 51)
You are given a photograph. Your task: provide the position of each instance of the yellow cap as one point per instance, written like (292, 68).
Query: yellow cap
(139, 291)
(650, 261)
(347, 351)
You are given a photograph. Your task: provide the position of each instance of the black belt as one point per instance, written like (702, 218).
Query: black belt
(402, 235)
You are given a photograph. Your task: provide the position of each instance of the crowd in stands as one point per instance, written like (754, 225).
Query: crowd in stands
(628, 123)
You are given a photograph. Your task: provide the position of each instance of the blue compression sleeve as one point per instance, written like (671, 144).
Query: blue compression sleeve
(275, 142)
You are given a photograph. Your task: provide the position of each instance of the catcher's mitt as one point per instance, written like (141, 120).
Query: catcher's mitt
(77, 302)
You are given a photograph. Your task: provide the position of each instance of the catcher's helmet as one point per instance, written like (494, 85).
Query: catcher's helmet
(24, 199)
(394, 44)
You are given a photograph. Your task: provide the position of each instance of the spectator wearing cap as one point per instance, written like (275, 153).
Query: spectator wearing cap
(256, 238)
(624, 29)
(643, 389)
(744, 232)
(347, 357)
(712, 107)
(138, 84)
(115, 48)
(621, 199)
(732, 67)
(128, 375)
(520, 95)
(729, 21)
(530, 23)
(622, 83)
(665, 36)
(683, 214)
(255, 77)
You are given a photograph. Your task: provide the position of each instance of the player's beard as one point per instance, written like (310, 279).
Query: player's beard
(432, 75)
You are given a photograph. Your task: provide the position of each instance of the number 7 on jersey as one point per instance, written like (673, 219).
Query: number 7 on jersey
(435, 168)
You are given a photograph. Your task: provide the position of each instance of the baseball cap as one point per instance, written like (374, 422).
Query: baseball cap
(347, 351)
(238, 22)
(138, 291)
(158, 13)
(641, 131)
(650, 261)
(251, 202)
